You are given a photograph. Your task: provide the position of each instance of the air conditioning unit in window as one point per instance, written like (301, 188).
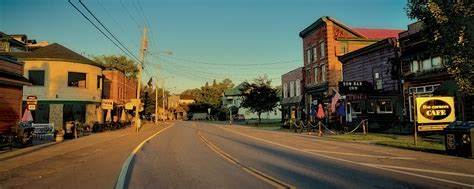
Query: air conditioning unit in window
(378, 84)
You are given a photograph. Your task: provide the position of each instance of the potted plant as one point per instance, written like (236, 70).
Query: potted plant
(59, 135)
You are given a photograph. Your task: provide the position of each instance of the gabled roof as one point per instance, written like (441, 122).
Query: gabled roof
(321, 21)
(378, 33)
(234, 91)
(54, 52)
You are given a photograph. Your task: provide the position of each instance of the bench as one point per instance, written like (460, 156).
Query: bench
(43, 131)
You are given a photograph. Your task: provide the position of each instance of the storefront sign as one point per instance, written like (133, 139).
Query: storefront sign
(31, 100)
(129, 106)
(31, 107)
(346, 87)
(435, 110)
(107, 104)
(136, 102)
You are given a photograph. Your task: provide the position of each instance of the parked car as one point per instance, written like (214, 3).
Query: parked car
(239, 117)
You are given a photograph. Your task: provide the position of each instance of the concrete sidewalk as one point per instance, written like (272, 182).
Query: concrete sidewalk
(37, 153)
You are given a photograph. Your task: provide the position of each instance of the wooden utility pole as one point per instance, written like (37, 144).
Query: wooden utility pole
(415, 111)
(163, 93)
(156, 96)
(140, 65)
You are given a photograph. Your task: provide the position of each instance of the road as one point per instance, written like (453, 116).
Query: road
(204, 155)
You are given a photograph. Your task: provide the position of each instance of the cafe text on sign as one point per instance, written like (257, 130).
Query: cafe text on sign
(435, 110)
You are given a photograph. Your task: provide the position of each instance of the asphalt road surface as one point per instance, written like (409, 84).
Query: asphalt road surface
(203, 155)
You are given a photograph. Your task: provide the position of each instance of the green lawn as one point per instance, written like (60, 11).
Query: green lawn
(364, 137)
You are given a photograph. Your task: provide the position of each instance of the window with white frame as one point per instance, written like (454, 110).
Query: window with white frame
(436, 62)
(316, 75)
(414, 66)
(292, 88)
(315, 54)
(322, 49)
(371, 106)
(298, 89)
(285, 90)
(323, 73)
(308, 76)
(426, 64)
(356, 107)
(384, 106)
(308, 56)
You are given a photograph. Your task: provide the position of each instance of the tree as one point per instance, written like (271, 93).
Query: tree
(259, 96)
(122, 63)
(449, 26)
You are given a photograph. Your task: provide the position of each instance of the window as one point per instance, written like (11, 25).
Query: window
(74, 112)
(356, 107)
(384, 106)
(292, 88)
(323, 72)
(321, 49)
(75, 79)
(344, 47)
(285, 90)
(308, 76)
(316, 80)
(427, 64)
(99, 81)
(36, 77)
(436, 61)
(371, 106)
(308, 56)
(414, 66)
(298, 89)
(315, 54)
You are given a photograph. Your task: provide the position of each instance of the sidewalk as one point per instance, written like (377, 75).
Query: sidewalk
(38, 153)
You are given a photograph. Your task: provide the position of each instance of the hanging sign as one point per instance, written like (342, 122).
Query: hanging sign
(107, 104)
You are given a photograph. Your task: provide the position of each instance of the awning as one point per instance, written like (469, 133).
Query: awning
(292, 100)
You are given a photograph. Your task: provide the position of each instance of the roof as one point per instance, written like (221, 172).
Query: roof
(54, 51)
(389, 42)
(321, 21)
(234, 91)
(378, 33)
(186, 97)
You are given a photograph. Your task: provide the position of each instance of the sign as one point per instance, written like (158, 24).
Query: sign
(437, 127)
(107, 104)
(435, 110)
(346, 87)
(31, 107)
(31, 100)
(136, 102)
(129, 106)
(450, 142)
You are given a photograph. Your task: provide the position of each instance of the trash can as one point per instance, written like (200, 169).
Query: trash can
(458, 137)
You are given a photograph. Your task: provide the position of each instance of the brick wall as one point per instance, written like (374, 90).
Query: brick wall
(293, 76)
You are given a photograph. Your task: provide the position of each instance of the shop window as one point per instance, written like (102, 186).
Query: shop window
(74, 112)
(371, 106)
(76, 79)
(356, 107)
(36, 77)
(384, 106)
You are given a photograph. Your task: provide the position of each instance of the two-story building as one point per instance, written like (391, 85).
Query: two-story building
(372, 85)
(424, 75)
(67, 84)
(325, 40)
(119, 88)
(292, 103)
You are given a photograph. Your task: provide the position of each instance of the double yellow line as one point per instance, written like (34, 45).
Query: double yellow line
(262, 176)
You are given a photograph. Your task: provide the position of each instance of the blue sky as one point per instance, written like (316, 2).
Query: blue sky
(236, 39)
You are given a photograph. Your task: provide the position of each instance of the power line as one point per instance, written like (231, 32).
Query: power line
(130, 15)
(219, 64)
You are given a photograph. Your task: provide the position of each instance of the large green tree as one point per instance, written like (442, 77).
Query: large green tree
(259, 96)
(119, 62)
(449, 26)
(208, 96)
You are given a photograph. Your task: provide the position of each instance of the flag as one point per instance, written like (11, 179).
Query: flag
(320, 113)
(335, 98)
(312, 110)
(150, 82)
(341, 109)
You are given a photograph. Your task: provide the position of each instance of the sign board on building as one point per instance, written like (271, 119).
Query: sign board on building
(129, 106)
(31, 100)
(346, 87)
(136, 102)
(107, 104)
(31, 107)
(434, 113)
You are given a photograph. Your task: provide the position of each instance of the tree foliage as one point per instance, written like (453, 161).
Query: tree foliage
(259, 96)
(147, 96)
(121, 63)
(210, 95)
(449, 26)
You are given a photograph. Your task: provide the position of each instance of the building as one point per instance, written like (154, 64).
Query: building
(293, 89)
(11, 92)
(67, 84)
(233, 97)
(424, 75)
(186, 99)
(119, 88)
(372, 85)
(8, 43)
(178, 106)
(325, 40)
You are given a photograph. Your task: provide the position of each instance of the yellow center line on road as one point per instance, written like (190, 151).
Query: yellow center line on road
(262, 176)
(126, 165)
(353, 162)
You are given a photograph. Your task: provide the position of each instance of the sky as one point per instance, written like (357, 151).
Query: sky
(194, 42)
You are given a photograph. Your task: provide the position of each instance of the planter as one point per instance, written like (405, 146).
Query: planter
(59, 137)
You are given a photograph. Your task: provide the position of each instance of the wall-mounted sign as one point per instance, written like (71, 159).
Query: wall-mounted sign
(435, 110)
(346, 87)
(107, 104)
(31, 107)
(129, 106)
(31, 100)
(136, 102)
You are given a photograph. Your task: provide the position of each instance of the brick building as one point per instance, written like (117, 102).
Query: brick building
(372, 85)
(293, 88)
(118, 88)
(325, 40)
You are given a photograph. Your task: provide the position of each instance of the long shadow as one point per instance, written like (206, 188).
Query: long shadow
(320, 166)
(29, 151)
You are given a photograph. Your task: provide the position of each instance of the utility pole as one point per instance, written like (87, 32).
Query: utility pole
(156, 96)
(140, 65)
(164, 111)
